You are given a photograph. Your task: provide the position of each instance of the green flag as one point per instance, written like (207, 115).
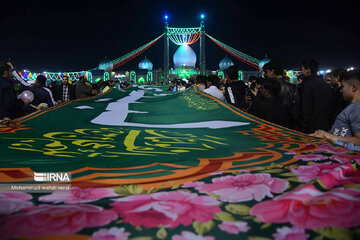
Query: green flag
(146, 163)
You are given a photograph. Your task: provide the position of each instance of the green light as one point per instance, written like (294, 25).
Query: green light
(133, 77)
(141, 80)
(89, 76)
(241, 75)
(106, 76)
(221, 74)
(149, 76)
(184, 74)
(183, 31)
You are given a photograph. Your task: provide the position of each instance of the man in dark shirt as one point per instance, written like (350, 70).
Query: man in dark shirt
(235, 90)
(65, 92)
(347, 124)
(334, 79)
(289, 93)
(84, 88)
(41, 94)
(316, 99)
(10, 107)
(271, 107)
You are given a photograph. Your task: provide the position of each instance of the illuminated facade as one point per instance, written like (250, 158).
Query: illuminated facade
(225, 63)
(146, 64)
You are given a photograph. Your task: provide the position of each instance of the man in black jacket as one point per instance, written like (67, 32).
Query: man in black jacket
(316, 99)
(334, 79)
(289, 93)
(271, 107)
(235, 90)
(65, 92)
(10, 107)
(41, 94)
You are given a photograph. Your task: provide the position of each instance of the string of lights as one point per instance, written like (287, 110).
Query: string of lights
(129, 56)
(237, 54)
(52, 76)
(181, 36)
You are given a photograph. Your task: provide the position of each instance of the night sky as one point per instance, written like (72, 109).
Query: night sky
(77, 35)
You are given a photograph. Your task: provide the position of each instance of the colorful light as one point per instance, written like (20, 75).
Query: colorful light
(52, 76)
(182, 36)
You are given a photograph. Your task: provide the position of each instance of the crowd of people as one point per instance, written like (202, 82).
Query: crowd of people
(14, 92)
(323, 106)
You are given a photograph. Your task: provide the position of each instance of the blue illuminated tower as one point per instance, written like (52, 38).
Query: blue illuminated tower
(202, 45)
(166, 50)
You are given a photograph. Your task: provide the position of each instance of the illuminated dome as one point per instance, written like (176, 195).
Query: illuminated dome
(184, 57)
(146, 64)
(105, 64)
(263, 62)
(225, 63)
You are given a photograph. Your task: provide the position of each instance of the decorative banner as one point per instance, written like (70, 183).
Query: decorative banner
(149, 164)
(181, 36)
(251, 61)
(128, 57)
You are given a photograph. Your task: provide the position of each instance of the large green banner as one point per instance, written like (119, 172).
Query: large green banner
(150, 164)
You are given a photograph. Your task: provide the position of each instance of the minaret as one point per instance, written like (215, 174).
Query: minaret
(202, 45)
(166, 51)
